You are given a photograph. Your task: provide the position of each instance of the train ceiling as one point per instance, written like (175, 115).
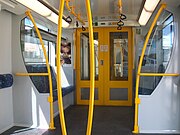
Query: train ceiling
(103, 10)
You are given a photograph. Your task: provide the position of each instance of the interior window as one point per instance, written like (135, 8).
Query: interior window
(158, 52)
(30, 45)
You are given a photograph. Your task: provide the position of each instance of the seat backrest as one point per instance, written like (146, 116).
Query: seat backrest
(6, 80)
(42, 82)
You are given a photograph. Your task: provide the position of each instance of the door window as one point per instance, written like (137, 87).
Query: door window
(118, 55)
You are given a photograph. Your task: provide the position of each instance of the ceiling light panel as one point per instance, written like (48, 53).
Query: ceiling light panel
(36, 6)
(144, 17)
(150, 5)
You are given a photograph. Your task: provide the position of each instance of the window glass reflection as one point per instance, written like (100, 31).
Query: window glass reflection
(85, 53)
(119, 55)
(30, 44)
(158, 52)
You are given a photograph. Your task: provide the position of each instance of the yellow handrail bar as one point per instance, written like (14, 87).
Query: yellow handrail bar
(50, 99)
(60, 101)
(31, 74)
(137, 100)
(92, 70)
(158, 74)
(71, 9)
(120, 6)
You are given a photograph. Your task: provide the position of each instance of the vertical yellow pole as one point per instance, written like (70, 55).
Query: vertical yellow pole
(137, 100)
(58, 50)
(120, 6)
(92, 71)
(50, 99)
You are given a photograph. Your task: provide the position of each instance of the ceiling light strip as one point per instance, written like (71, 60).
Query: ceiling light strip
(148, 9)
(43, 10)
(51, 8)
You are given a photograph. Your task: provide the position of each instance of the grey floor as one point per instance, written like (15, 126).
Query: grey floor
(107, 121)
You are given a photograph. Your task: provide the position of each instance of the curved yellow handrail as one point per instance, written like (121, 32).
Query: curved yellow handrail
(92, 71)
(50, 99)
(71, 10)
(60, 101)
(137, 100)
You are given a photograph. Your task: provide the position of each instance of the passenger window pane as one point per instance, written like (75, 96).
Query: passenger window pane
(33, 54)
(85, 56)
(158, 52)
(119, 56)
(31, 48)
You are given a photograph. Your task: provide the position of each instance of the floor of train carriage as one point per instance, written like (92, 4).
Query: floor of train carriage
(107, 121)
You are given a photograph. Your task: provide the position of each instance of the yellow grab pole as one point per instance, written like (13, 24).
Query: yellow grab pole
(50, 99)
(120, 6)
(92, 71)
(60, 101)
(137, 100)
(158, 74)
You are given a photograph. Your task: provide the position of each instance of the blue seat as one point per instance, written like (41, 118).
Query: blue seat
(65, 91)
(42, 83)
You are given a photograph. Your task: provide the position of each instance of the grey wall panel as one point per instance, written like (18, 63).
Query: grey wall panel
(31, 108)
(6, 100)
(160, 112)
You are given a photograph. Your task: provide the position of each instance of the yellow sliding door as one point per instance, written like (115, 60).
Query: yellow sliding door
(113, 66)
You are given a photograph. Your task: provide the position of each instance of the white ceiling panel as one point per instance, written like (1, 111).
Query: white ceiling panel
(109, 8)
(102, 10)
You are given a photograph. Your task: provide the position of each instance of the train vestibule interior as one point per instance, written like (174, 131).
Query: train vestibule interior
(96, 67)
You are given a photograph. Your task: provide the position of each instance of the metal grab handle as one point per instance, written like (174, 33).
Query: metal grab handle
(77, 24)
(123, 16)
(120, 23)
(68, 19)
(119, 28)
(83, 28)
